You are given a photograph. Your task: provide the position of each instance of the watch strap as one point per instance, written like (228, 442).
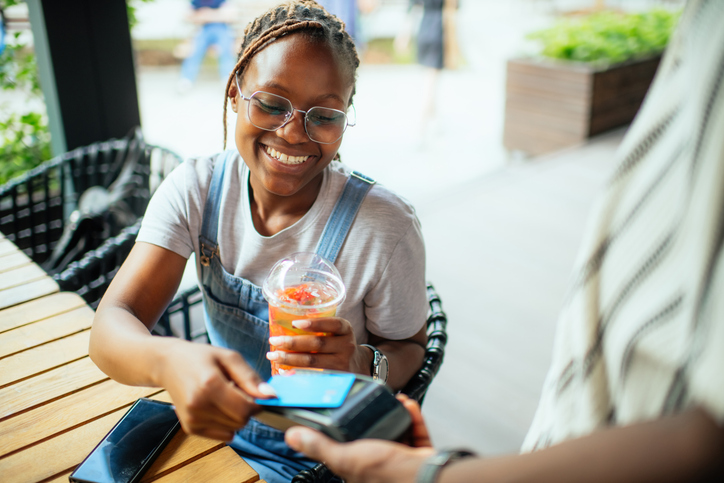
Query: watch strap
(431, 468)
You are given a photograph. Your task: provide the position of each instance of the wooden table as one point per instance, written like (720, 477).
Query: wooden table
(56, 405)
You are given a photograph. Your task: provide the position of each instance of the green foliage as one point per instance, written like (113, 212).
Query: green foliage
(131, 8)
(25, 144)
(18, 70)
(24, 136)
(608, 36)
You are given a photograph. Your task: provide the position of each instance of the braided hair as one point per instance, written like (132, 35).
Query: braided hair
(304, 16)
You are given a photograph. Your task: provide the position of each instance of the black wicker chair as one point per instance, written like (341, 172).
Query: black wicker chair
(35, 207)
(90, 277)
(184, 308)
(78, 214)
(43, 212)
(90, 274)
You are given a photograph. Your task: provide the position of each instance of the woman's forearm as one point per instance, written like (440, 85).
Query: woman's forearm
(122, 347)
(121, 343)
(686, 447)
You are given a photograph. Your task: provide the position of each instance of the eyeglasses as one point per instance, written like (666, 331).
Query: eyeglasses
(271, 112)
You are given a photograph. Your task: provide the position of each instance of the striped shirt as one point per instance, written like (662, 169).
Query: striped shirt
(641, 334)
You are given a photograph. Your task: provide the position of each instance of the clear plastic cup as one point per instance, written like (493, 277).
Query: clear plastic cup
(301, 286)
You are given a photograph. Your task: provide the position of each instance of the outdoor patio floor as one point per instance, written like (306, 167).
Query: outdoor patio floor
(500, 250)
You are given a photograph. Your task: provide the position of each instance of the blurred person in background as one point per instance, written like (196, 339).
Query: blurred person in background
(635, 390)
(436, 48)
(349, 11)
(214, 19)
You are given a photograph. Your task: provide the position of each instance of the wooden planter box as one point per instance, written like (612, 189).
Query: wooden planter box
(551, 105)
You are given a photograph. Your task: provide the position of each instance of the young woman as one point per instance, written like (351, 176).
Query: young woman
(242, 210)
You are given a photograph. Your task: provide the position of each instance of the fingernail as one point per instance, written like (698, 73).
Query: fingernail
(301, 324)
(266, 389)
(277, 340)
(272, 356)
(292, 438)
(298, 437)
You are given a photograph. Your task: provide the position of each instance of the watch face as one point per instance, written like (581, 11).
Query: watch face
(383, 369)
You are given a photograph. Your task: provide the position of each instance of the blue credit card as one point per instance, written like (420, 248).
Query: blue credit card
(309, 390)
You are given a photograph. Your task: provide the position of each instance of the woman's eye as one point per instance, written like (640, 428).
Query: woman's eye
(326, 118)
(271, 108)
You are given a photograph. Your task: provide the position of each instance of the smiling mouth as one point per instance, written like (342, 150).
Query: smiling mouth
(283, 158)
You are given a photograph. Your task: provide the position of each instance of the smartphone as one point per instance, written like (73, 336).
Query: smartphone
(131, 446)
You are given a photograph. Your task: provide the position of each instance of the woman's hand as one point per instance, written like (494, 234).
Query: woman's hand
(336, 350)
(368, 460)
(212, 388)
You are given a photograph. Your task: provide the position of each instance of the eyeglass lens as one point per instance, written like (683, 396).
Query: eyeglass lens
(270, 112)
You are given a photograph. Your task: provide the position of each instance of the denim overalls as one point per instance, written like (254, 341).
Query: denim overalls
(237, 316)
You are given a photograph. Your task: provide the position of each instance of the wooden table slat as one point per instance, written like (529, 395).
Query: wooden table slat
(44, 331)
(13, 260)
(49, 386)
(61, 478)
(20, 276)
(44, 357)
(65, 413)
(222, 465)
(6, 247)
(29, 291)
(180, 450)
(39, 309)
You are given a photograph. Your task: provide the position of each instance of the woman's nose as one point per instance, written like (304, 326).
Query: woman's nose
(293, 131)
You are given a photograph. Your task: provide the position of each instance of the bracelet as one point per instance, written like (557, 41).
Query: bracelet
(431, 468)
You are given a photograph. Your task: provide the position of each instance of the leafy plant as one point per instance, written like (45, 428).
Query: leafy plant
(131, 9)
(24, 138)
(608, 36)
(25, 144)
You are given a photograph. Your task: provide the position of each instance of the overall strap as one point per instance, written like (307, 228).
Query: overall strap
(210, 223)
(343, 214)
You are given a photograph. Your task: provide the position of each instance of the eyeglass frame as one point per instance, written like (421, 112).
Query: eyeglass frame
(291, 113)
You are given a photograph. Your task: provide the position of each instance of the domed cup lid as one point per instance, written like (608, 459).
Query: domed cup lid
(318, 278)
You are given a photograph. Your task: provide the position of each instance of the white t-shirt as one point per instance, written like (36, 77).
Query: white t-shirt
(382, 262)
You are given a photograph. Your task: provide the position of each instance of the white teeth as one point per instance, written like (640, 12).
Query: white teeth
(284, 158)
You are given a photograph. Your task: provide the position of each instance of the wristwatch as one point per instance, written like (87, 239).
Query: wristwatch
(380, 365)
(431, 468)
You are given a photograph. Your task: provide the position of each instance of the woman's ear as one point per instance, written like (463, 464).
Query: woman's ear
(233, 96)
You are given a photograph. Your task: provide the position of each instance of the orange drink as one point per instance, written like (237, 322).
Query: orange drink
(309, 296)
(302, 286)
